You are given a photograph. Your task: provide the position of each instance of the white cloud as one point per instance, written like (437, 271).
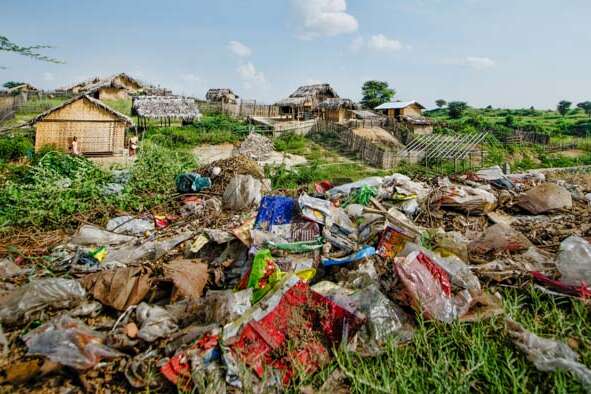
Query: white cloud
(250, 76)
(239, 49)
(380, 42)
(357, 44)
(317, 18)
(47, 76)
(475, 62)
(479, 63)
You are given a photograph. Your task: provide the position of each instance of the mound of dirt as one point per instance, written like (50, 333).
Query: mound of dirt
(236, 165)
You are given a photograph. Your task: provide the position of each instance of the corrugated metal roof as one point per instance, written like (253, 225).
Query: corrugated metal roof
(398, 105)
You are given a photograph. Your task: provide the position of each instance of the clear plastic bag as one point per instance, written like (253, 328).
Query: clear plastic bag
(499, 238)
(68, 342)
(243, 191)
(428, 286)
(155, 322)
(92, 235)
(56, 293)
(574, 261)
(130, 225)
(548, 354)
(544, 198)
(466, 199)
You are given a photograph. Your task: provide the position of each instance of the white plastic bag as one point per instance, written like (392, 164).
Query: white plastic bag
(56, 293)
(574, 261)
(243, 191)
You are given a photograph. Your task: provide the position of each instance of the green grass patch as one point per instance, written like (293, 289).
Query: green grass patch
(123, 105)
(477, 357)
(57, 188)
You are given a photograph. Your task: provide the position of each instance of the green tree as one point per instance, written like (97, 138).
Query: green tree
(375, 93)
(440, 103)
(12, 84)
(563, 107)
(509, 121)
(456, 109)
(585, 106)
(8, 46)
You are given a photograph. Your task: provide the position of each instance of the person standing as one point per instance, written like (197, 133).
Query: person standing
(133, 145)
(74, 148)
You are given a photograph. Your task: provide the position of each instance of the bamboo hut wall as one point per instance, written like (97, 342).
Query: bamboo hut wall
(96, 129)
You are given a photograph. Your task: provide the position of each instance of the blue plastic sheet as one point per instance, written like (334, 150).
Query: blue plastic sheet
(274, 211)
(359, 255)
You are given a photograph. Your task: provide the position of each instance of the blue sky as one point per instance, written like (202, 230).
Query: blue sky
(506, 53)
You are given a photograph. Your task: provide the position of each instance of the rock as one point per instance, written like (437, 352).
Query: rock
(544, 198)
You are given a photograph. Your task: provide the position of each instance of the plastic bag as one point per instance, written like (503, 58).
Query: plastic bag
(347, 188)
(405, 186)
(243, 191)
(130, 225)
(545, 198)
(314, 209)
(385, 319)
(499, 238)
(296, 247)
(292, 329)
(224, 306)
(264, 274)
(131, 252)
(392, 241)
(428, 285)
(92, 235)
(155, 322)
(56, 293)
(191, 183)
(367, 251)
(465, 198)
(574, 261)
(452, 242)
(68, 342)
(548, 354)
(274, 211)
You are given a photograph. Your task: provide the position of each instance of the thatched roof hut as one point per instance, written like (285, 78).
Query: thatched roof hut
(23, 88)
(226, 96)
(336, 109)
(337, 102)
(166, 107)
(117, 86)
(306, 99)
(366, 115)
(98, 128)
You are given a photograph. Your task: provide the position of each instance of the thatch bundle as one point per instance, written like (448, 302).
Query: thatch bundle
(159, 107)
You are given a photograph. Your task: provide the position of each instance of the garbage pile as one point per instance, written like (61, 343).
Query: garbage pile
(256, 147)
(246, 289)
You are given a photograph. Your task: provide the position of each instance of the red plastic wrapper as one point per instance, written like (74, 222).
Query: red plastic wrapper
(290, 330)
(178, 369)
(582, 291)
(392, 242)
(428, 286)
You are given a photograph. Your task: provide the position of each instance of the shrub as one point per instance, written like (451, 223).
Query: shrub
(15, 147)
